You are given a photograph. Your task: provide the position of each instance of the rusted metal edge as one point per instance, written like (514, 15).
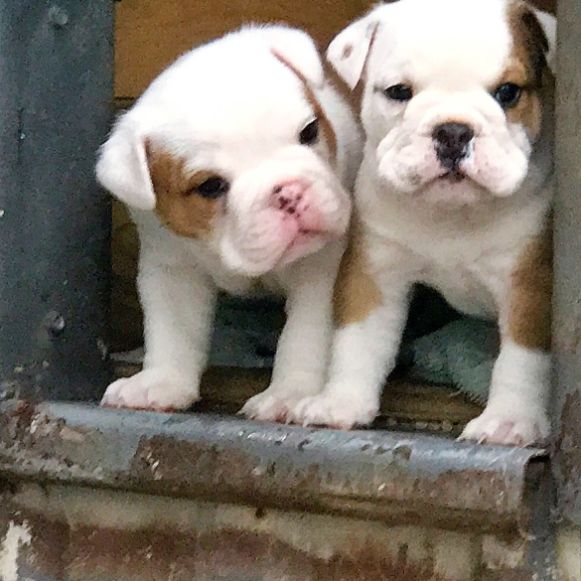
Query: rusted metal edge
(394, 477)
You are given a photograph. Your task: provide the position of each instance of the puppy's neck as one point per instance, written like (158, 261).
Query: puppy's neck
(467, 219)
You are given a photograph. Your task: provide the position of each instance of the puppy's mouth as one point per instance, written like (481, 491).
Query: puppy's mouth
(454, 176)
(306, 242)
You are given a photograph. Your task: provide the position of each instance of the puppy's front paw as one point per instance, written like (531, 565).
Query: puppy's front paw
(151, 389)
(267, 406)
(508, 429)
(275, 403)
(335, 412)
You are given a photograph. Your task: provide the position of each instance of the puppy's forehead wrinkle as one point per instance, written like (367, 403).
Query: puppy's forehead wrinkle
(249, 93)
(454, 43)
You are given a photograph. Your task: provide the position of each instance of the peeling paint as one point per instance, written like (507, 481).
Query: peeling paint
(171, 494)
(17, 536)
(385, 476)
(501, 554)
(569, 554)
(568, 461)
(79, 533)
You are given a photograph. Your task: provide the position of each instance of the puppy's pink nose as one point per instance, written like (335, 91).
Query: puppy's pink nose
(289, 196)
(293, 199)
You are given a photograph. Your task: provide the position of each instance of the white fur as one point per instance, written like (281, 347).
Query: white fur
(516, 411)
(233, 107)
(462, 238)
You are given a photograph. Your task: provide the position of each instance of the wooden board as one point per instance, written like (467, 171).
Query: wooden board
(152, 33)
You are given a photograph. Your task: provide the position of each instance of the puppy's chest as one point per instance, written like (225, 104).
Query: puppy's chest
(472, 273)
(237, 284)
(472, 287)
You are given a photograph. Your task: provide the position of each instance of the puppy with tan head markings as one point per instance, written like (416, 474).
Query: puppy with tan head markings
(455, 192)
(236, 163)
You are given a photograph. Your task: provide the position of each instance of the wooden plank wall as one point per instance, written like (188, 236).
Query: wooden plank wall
(151, 33)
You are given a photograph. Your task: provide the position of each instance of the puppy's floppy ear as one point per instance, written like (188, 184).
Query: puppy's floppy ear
(548, 24)
(349, 50)
(122, 167)
(298, 50)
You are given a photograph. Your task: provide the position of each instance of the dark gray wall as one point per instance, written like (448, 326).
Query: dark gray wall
(56, 86)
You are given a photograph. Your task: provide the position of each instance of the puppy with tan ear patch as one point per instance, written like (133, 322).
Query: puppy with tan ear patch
(236, 163)
(455, 192)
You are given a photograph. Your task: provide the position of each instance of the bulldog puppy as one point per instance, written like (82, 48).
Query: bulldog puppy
(455, 192)
(236, 163)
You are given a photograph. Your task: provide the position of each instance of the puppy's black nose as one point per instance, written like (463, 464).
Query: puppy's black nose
(452, 141)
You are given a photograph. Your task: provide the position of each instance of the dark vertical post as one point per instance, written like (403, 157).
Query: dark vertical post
(567, 319)
(56, 85)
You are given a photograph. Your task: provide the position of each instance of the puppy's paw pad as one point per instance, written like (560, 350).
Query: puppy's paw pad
(150, 389)
(343, 414)
(508, 429)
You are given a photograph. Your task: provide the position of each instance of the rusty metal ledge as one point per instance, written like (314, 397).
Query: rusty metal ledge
(394, 477)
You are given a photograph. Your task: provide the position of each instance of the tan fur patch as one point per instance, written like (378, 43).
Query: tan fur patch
(178, 206)
(342, 88)
(528, 113)
(327, 130)
(356, 292)
(326, 127)
(530, 42)
(529, 322)
(526, 67)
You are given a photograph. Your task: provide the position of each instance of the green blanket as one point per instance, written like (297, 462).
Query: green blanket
(461, 355)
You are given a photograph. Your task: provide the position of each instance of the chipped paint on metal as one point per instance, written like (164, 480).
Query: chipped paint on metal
(503, 554)
(457, 556)
(79, 532)
(568, 468)
(16, 537)
(433, 482)
(569, 554)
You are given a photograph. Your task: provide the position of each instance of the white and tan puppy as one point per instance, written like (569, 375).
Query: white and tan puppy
(236, 163)
(455, 192)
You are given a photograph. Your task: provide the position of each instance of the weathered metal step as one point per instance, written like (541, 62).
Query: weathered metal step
(380, 475)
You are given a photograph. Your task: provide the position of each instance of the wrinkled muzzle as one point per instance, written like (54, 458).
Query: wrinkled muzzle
(288, 207)
(454, 149)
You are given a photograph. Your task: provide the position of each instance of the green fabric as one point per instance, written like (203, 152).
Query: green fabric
(461, 354)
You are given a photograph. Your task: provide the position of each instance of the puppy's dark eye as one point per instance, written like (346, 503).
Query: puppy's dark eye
(212, 188)
(310, 134)
(399, 92)
(508, 95)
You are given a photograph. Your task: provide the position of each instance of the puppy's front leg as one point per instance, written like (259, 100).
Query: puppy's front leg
(178, 306)
(303, 349)
(370, 320)
(516, 413)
